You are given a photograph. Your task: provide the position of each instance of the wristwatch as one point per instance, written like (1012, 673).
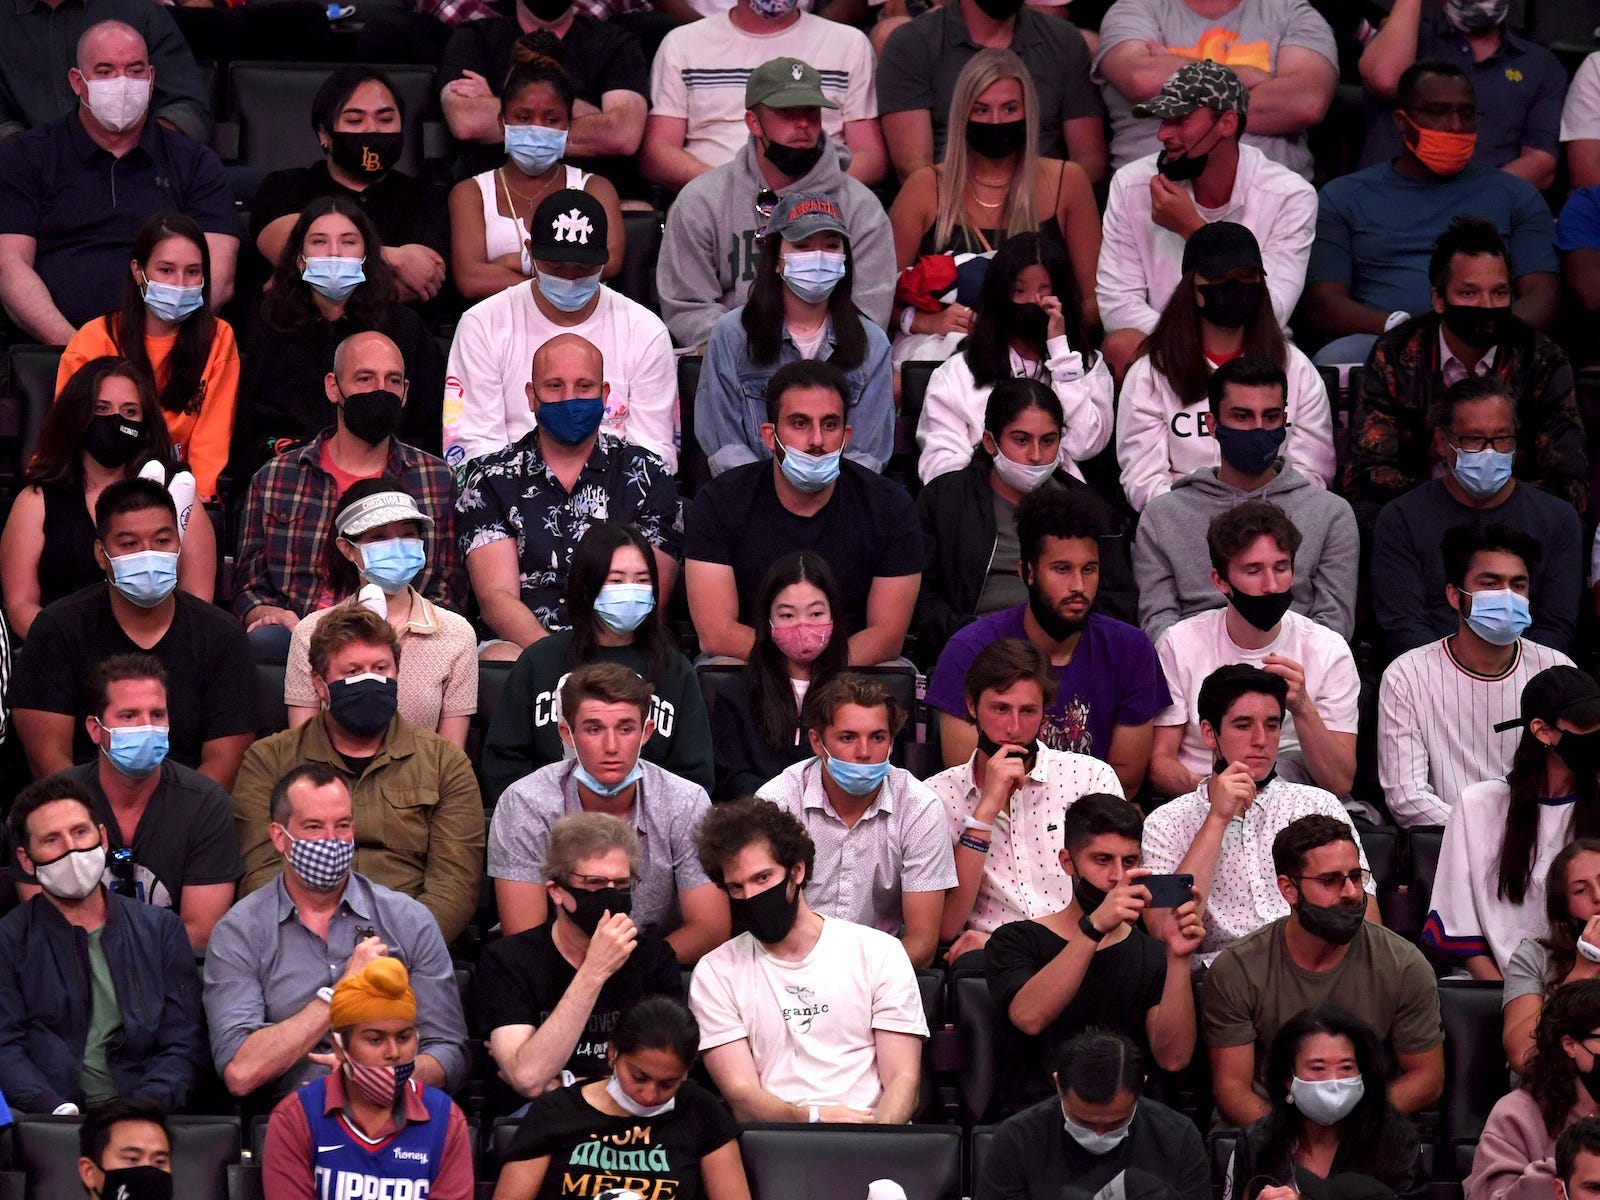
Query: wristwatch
(1089, 930)
(325, 994)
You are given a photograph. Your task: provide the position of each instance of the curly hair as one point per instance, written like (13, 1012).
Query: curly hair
(729, 828)
(1551, 1075)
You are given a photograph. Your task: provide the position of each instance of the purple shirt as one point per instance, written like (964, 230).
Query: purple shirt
(1113, 679)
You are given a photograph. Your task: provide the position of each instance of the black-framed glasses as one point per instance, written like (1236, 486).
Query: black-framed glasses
(1473, 443)
(596, 883)
(1335, 879)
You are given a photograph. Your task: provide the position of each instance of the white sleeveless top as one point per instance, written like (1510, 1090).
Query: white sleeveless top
(508, 235)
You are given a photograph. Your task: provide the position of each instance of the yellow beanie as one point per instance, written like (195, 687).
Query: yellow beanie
(381, 992)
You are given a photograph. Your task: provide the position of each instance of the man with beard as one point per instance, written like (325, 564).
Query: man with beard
(1109, 686)
(1323, 952)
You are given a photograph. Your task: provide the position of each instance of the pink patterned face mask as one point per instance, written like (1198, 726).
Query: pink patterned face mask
(803, 642)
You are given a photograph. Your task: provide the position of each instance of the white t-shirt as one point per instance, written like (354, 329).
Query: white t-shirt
(700, 70)
(1196, 646)
(1580, 115)
(810, 1023)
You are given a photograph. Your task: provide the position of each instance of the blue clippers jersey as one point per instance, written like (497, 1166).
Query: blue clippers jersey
(401, 1167)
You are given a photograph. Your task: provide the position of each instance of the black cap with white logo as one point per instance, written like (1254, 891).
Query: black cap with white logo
(568, 226)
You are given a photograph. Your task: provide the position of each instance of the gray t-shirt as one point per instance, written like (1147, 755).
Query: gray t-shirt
(1251, 35)
(1002, 586)
(1525, 971)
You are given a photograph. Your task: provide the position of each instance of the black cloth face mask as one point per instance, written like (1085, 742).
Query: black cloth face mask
(767, 916)
(991, 747)
(113, 441)
(590, 907)
(367, 155)
(1262, 612)
(372, 416)
(794, 161)
(997, 139)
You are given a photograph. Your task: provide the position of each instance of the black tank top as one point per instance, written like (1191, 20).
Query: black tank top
(67, 563)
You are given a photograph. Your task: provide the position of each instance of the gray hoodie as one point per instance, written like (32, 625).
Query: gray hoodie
(708, 254)
(1173, 567)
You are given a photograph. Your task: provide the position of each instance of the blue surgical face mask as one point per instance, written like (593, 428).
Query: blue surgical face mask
(171, 303)
(581, 774)
(334, 277)
(535, 148)
(147, 577)
(571, 422)
(809, 473)
(393, 563)
(857, 778)
(1482, 473)
(1096, 1143)
(136, 750)
(624, 606)
(813, 274)
(569, 295)
(1499, 617)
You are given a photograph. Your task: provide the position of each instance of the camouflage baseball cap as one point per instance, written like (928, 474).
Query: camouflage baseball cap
(785, 83)
(1197, 85)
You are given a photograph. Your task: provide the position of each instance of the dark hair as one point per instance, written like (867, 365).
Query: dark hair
(609, 683)
(1221, 689)
(586, 575)
(1176, 351)
(823, 701)
(806, 373)
(129, 496)
(1361, 1131)
(1049, 511)
(344, 578)
(1519, 845)
(658, 1023)
(1003, 664)
(1012, 397)
(1549, 1075)
(1097, 813)
(1236, 530)
(1245, 371)
(773, 709)
(337, 89)
(1405, 92)
(35, 796)
(988, 346)
(286, 304)
(1299, 838)
(1560, 940)
(537, 58)
(1581, 1137)
(349, 623)
(184, 390)
(119, 668)
(1097, 1064)
(762, 316)
(317, 774)
(58, 458)
(1464, 542)
(1469, 235)
(1470, 390)
(94, 1135)
(728, 828)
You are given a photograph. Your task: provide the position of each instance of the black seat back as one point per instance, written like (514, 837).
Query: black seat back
(1476, 1074)
(30, 391)
(804, 1162)
(693, 469)
(978, 1029)
(272, 714)
(45, 1149)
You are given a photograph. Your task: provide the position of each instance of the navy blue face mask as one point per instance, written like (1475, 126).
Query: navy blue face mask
(1249, 451)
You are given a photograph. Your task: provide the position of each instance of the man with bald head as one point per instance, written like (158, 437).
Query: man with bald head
(523, 509)
(75, 190)
(283, 540)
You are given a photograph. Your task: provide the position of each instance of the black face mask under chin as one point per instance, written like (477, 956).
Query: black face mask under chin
(794, 161)
(991, 747)
(1333, 923)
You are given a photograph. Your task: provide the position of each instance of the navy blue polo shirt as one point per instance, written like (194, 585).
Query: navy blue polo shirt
(83, 205)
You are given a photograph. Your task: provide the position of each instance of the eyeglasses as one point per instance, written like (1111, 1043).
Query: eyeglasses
(1472, 443)
(1335, 879)
(595, 883)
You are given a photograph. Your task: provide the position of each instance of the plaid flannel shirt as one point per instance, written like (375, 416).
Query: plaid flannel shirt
(451, 13)
(289, 515)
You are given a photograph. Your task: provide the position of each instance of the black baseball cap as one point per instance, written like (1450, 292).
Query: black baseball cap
(569, 226)
(1558, 693)
(1219, 247)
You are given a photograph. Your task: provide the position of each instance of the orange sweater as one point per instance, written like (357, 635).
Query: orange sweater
(199, 438)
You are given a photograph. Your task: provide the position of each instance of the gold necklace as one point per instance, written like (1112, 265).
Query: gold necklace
(512, 195)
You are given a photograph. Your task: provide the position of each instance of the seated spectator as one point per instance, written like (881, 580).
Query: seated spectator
(1108, 684)
(1325, 950)
(1472, 332)
(420, 816)
(374, 1099)
(1099, 1130)
(1515, 1155)
(810, 499)
(489, 213)
(1026, 325)
(1580, 124)
(329, 283)
(376, 541)
(1576, 1164)
(1247, 398)
(800, 307)
(283, 539)
(522, 510)
(921, 66)
(1090, 965)
(95, 434)
(1446, 711)
(1217, 313)
(990, 185)
(712, 240)
(125, 1144)
(68, 214)
(165, 329)
(1253, 549)
(1578, 240)
(1520, 85)
(272, 956)
(99, 997)
(689, 1148)
(547, 997)
(969, 516)
(1474, 430)
(488, 406)
(696, 124)
(1285, 55)
(1376, 228)
(358, 117)
(1503, 834)
(1544, 963)
(886, 857)
(137, 610)
(606, 719)
(1011, 774)
(1220, 832)
(863, 1064)
(1203, 173)
(614, 578)
(1329, 1112)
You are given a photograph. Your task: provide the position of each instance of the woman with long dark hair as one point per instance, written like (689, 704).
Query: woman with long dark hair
(103, 427)
(799, 307)
(612, 578)
(1330, 1115)
(755, 726)
(1569, 949)
(1219, 311)
(1028, 325)
(1502, 834)
(166, 329)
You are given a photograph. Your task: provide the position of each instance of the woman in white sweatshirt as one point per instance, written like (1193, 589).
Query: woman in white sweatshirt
(1218, 312)
(1027, 323)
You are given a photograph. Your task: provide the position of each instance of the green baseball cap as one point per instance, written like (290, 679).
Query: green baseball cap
(1197, 85)
(785, 83)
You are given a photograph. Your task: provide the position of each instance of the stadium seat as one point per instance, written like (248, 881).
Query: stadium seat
(914, 376)
(802, 1162)
(1424, 842)
(637, 279)
(492, 678)
(978, 1155)
(13, 1185)
(1221, 1145)
(978, 1029)
(29, 393)
(272, 715)
(1382, 846)
(1476, 1074)
(693, 469)
(244, 1182)
(46, 1151)
(930, 983)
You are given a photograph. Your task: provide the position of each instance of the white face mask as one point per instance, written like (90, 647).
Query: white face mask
(631, 1106)
(1020, 475)
(119, 104)
(1327, 1101)
(1096, 1143)
(74, 875)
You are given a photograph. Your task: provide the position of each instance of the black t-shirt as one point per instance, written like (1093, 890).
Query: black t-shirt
(211, 675)
(591, 1151)
(404, 210)
(867, 529)
(1122, 984)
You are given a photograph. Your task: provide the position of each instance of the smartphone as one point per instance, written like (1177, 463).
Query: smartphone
(1169, 891)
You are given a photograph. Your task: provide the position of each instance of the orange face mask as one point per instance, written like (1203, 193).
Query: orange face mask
(1442, 153)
